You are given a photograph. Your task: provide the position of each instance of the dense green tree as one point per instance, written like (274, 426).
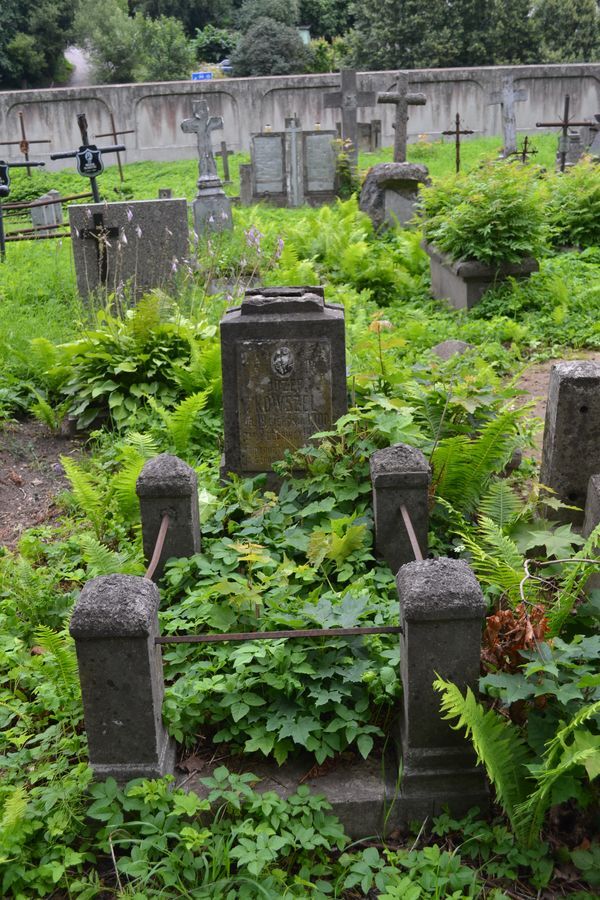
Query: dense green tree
(325, 18)
(213, 44)
(33, 36)
(192, 14)
(165, 52)
(270, 48)
(569, 30)
(514, 37)
(285, 11)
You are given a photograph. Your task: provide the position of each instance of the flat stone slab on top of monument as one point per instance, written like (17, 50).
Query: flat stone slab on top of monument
(390, 192)
(284, 375)
(464, 282)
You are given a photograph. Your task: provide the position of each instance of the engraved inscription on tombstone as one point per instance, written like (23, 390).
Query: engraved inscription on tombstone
(319, 161)
(268, 157)
(284, 374)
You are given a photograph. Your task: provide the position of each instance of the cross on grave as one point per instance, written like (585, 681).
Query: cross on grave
(100, 234)
(294, 129)
(507, 97)
(564, 124)
(88, 156)
(5, 191)
(457, 131)
(402, 100)
(349, 99)
(113, 133)
(224, 153)
(24, 143)
(201, 124)
(525, 152)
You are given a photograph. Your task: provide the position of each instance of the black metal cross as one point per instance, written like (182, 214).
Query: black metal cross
(114, 134)
(100, 234)
(5, 191)
(224, 153)
(564, 124)
(402, 100)
(525, 152)
(457, 131)
(95, 166)
(24, 143)
(349, 99)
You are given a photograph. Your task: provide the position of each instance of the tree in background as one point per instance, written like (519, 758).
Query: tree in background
(33, 37)
(325, 18)
(213, 44)
(270, 48)
(569, 30)
(192, 14)
(165, 52)
(285, 11)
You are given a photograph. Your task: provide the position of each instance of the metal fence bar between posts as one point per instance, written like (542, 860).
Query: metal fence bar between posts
(158, 547)
(411, 533)
(28, 204)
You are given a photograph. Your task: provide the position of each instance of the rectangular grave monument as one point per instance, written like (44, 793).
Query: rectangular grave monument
(284, 375)
(293, 167)
(319, 166)
(269, 167)
(139, 245)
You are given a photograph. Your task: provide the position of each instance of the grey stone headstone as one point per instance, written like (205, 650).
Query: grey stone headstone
(246, 184)
(574, 148)
(284, 374)
(268, 164)
(390, 192)
(319, 163)
(47, 215)
(145, 244)
(450, 348)
(571, 451)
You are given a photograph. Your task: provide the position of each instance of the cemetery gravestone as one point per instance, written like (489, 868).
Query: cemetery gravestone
(507, 97)
(292, 167)
(390, 192)
(401, 99)
(284, 374)
(212, 208)
(349, 99)
(140, 243)
(49, 215)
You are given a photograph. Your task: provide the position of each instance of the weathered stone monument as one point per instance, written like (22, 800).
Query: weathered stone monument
(507, 96)
(139, 244)
(390, 191)
(46, 217)
(284, 374)
(571, 452)
(349, 99)
(212, 208)
(291, 167)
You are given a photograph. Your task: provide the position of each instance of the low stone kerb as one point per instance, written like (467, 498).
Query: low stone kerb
(114, 606)
(166, 476)
(439, 589)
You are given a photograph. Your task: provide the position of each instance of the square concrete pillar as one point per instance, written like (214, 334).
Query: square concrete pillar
(441, 613)
(400, 476)
(167, 484)
(571, 452)
(114, 624)
(590, 522)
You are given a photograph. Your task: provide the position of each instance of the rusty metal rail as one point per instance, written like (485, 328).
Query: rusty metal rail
(411, 533)
(158, 547)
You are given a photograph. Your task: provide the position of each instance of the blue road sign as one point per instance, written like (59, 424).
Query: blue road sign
(202, 76)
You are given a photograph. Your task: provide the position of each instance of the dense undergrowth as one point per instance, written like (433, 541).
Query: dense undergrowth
(147, 380)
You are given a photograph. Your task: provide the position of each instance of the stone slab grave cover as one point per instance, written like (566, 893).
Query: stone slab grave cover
(284, 374)
(390, 192)
(140, 244)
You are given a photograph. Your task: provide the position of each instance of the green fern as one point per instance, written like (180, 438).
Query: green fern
(15, 806)
(560, 757)
(495, 558)
(100, 560)
(181, 420)
(500, 503)
(63, 656)
(145, 444)
(576, 576)
(50, 416)
(497, 744)
(124, 481)
(86, 493)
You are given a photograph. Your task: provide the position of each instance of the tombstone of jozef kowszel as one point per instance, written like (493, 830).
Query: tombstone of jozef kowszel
(284, 374)
(140, 244)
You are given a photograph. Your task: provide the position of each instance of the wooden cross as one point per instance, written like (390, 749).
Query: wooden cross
(114, 134)
(402, 100)
(224, 153)
(201, 124)
(457, 131)
(24, 143)
(564, 124)
(100, 234)
(349, 99)
(94, 151)
(507, 97)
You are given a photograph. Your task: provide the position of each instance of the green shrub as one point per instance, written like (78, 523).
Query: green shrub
(574, 206)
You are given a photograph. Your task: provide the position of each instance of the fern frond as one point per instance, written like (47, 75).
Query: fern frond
(86, 493)
(14, 810)
(123, 483)
(530, 814)
(500, 503)
(495, 558)
(100, 560)
(576, 576)
(497, 744)
(63, 654)
(145, 444)
(181, 420)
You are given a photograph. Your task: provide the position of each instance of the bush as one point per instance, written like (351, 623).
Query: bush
(270, 48)
(574, 206)
(493, 214)
(213, 44)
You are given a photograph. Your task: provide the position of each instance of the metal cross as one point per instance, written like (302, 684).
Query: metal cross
(457, 131)
(564, 124)
(224, 153)
(24, 143)
(349, 99)
(201, 124)
(100, 234)
(402, 100)
(507, 97)
(86, 146)
(5, 191)
(525, 152)
(114, 134)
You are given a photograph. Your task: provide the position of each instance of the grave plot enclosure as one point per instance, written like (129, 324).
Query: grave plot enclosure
(284, 374)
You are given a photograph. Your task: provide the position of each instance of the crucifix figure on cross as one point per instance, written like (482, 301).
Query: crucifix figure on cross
(349, 99)
(402, 99)
(101, 234)
(201, 124)
(507, 97)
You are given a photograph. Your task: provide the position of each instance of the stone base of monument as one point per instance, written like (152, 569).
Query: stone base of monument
(463, 283)
(390, 192)
(212, 207)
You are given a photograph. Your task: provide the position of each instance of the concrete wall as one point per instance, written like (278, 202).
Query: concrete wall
(247, 104)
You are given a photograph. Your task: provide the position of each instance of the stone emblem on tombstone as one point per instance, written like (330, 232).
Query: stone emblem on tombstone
(212, 207)
(284, 375)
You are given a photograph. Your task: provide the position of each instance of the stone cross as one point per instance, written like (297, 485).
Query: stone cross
(349, 99)
(402, 100)
(294, 130)
(100, 234)
(201, 124)
(507, 97)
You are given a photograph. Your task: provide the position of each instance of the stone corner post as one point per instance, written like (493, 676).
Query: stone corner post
(400, 476)
(590, 522)
(114, 624)
(168, 485)
(441, 612)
